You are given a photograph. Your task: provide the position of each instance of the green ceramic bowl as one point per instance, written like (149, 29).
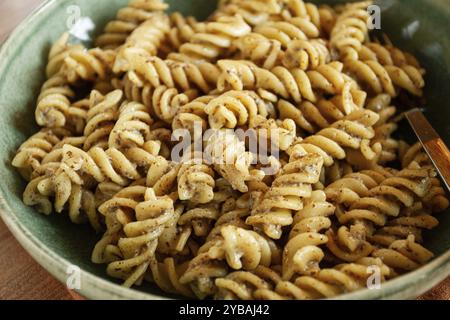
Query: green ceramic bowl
(421, 26)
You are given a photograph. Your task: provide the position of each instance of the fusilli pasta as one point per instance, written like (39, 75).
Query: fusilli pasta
(252, 155)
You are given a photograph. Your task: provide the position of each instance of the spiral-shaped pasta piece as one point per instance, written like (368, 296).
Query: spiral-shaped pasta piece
(107, 165)
(150, 34)
(105, 191)
(373, 74)
(408, 78)
(208, 264)
(436, 199)
(245, 249)
(312, 117)
(293, 84)
(351, 30)
(287, 31)
(254, 12)
(352, 132)
(175, 240)
(53, 102)
(101, 118)
(33, 198)
(387, 55)
(235, 217)
(407, 184)
(49, 181)
(228, 156)
(306, 54)
(118, 211)
(162, 102)
(166, 275)
(349, 243)
(192, 114)
(240, 248)
(225, 197)
(132, 128)
(182, 75)
(31, 153)
(365, 210)
(137, 247)
(236, 108)
(80, 201)
(88, 65)
(196, 182)
(116, 216)
(162, 177)
(167, 101)
(323, 17)
(52, 161)
(255, 47)
(329, 282)
(149, 37)
(182, 30)
(403, 226)
(358, 184)
(201, 272)
(243, 285)
(384, 147)
(385, 127)
(160, 132)
(381, 104)
(335, 172)
(379, 203)
(384, 79)
(77, 115)
(59, 51)
(302, 253)
(417, 192)
(274, 209)
(414, 153)
(127, 20)
(404, 255)
(274, 134)
(200, 220)
(211, 44)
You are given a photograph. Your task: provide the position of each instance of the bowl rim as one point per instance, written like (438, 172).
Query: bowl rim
(94, 287)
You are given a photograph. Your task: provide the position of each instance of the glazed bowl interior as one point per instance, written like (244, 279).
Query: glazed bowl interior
(420, 26)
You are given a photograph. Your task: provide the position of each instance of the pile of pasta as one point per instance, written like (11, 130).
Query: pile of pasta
(338, 205)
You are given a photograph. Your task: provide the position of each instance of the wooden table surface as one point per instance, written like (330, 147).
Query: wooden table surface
(20, 276)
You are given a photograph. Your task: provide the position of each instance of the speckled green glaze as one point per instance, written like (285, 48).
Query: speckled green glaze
(55, 243)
